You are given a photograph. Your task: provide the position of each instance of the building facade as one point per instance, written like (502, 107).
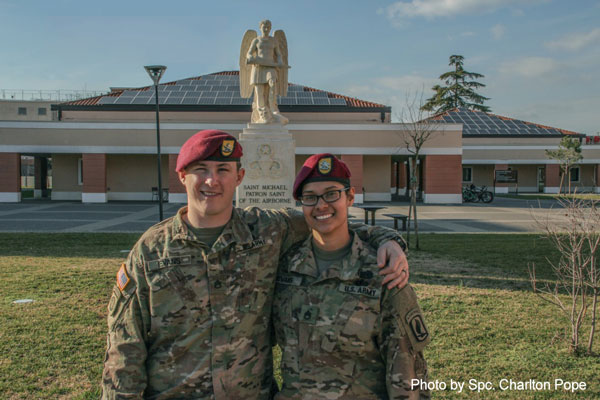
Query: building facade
(103, 148)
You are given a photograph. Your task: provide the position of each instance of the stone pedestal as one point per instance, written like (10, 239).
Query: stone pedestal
(269, 161)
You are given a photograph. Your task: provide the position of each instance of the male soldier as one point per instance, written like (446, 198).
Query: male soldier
(190, 314)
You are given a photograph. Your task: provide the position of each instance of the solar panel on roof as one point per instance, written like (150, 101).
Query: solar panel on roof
(319, 94)
(123, 100)
(304, 102)
(206, 100)
(288, 101)
(223, 100)
(302, 94)
(321, 102)
(240, 101)
(107, 100)
(337, 102)
(172, 100)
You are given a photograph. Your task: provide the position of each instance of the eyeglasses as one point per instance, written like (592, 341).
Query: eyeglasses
(330, 196)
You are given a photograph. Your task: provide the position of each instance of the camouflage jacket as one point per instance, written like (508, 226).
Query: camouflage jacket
(188, 321)
(342, 335)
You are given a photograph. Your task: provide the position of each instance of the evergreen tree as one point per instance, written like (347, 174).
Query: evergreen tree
(459, 90)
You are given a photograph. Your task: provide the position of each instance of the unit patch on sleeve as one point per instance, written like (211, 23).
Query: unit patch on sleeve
(122, 278)
(417, 326)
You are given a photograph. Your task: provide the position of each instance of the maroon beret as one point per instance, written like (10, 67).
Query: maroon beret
(321, 167)
(211, 145)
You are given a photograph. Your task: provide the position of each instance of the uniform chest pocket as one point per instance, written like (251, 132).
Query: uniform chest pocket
(253, 280)
(166, 304)
(357, 321)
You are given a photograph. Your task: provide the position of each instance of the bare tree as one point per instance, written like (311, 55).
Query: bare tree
(568, 154)
(577, 239)
(419, 129)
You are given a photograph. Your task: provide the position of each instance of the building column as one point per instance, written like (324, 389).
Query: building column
(402, 177)
(552, 180)
(500, 187)
(10, 177)
(94, 178)
(597, 178)
(394, 178)
(442, 179)
(355, 164)
(177, 193)
(40, 168)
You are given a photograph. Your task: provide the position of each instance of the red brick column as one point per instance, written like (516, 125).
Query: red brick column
(552, 181)
(394, 178)
(355, 163)
(442, 179)
(500, 187)
(10, 177)
(94, 178)
(597, 178)
(401, 176)
(177, 193)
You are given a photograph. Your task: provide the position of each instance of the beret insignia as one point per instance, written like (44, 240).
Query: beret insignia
(227, 147)
(325, 165)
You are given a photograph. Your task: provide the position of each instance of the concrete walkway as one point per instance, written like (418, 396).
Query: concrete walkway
(503, 215)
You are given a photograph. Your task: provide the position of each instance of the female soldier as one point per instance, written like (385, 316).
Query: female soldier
(341, 335)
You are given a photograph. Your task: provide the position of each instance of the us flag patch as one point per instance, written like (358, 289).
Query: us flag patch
(122, 278)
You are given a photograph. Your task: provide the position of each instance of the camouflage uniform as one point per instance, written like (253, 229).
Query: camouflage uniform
(186, 321)
(341, 335)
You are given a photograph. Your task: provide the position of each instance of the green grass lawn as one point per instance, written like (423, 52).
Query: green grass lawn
(485, 322)
(549, 196)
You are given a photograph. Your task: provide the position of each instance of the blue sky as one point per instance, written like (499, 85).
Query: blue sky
(540, 58)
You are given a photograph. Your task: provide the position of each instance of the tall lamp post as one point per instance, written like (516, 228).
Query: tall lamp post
(156, 72)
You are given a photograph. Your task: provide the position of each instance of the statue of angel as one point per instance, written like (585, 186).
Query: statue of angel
(263, 70)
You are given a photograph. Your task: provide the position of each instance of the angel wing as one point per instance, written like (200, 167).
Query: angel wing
(245, 68)
(282, 73)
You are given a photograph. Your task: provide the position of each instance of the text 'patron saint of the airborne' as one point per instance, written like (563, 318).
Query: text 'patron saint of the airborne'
(263, 70)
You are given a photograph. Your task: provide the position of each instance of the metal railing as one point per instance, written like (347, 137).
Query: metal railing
(58, 95)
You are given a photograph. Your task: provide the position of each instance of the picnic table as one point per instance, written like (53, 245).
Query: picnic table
(369, 209)
(396, 217)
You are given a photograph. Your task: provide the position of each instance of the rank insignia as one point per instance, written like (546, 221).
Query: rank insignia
(227, 147)
(325, 165)
(309, 314)
(122, 278)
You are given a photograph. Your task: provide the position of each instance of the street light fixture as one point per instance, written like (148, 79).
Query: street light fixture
(156, 72)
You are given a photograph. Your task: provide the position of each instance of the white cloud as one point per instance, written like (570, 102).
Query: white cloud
(529, 67)
(498, 31)
(575, 41)
(430, 9)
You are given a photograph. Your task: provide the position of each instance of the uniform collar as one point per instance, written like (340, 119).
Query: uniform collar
(304, 261)
(235, 231)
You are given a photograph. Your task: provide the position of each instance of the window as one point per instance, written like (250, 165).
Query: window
(80, 171)
(467, 174)
(574, 174)
(42, 111)
(22, 111)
